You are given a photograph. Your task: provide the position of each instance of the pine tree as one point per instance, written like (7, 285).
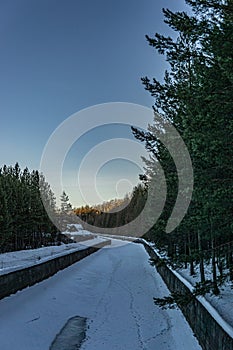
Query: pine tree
(23, 219)
(65, 203)
(197, 97)
(5, 218)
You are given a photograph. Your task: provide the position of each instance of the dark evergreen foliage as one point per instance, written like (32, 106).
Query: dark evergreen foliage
(115, 213)
(196, 96)
(24, 223)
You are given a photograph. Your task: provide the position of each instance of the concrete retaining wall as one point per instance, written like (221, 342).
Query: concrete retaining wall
(208, 331)
(13, 281)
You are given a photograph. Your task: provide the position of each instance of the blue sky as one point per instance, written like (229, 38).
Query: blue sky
(58, 57)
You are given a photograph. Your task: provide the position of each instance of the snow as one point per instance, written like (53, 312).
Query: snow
(13, 261)
(78, 227)
(217, 316)
(220, 307)
(214, 313)
(77, 230)
(114, 290)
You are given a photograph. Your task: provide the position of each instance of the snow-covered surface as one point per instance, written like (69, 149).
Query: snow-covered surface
(122, 238)
(24, 258)
(220, 307)
(114, 289)
(77, 230)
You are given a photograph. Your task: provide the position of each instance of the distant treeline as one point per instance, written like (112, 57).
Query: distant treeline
(116, 212)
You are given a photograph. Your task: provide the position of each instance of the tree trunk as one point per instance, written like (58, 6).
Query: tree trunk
(230, 261)
(214, 271)
(202, 268)
(185, 253)
(191, 271)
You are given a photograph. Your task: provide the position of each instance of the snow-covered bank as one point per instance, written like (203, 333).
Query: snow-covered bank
(219, 307)
(76, 231)
(13, 261)
(114, 289)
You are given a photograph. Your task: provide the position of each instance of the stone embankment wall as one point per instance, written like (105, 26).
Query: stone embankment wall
(208, 331)
(13, 281)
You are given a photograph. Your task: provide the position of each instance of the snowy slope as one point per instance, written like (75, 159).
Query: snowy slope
(20, 259)
(220, 307)
(114, 289)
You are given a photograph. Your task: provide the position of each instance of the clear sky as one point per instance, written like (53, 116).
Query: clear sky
(58, 57)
